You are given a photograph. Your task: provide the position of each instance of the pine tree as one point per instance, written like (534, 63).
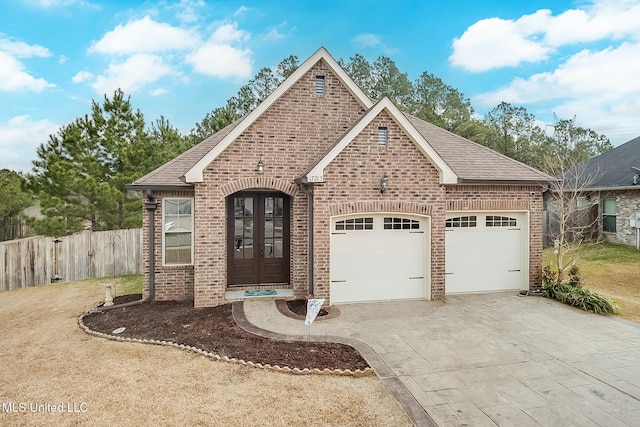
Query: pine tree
(80, 174)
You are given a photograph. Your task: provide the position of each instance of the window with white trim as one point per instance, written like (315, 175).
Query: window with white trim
(391, 223)
(609, 214)
(177, 231)
(355, 224)
(500, 221)
(461, 222)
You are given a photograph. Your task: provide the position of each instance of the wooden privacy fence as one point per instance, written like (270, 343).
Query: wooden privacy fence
(38, 260)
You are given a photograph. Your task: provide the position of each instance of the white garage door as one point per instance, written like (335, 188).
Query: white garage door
(485, 252)
(378, 257)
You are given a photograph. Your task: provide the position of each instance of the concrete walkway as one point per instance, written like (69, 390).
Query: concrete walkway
(488, 359)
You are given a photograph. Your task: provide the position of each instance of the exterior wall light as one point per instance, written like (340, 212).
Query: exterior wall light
(384, 182)
(260, 167)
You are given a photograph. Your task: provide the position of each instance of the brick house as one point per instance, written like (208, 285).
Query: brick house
(322, 190)
(615, 193)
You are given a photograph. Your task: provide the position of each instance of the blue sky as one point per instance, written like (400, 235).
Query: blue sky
(183, 58)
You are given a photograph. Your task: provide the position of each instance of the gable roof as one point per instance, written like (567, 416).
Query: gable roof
(194, 174)
(457, 159)
(316, 172)
(613, 169)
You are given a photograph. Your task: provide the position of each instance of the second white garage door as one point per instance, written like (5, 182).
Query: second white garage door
(378, 257)
(485, 252)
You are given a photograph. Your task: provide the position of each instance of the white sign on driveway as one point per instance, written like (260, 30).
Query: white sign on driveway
(313, 308)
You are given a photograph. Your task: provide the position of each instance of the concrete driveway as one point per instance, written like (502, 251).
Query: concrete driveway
(488, 359)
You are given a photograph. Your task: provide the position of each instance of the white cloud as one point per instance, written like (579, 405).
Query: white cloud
(54, 3)
(368, 40)
(21, 49)
(219, 56)
(144, 36)
(609, 75)
(131, 74)
(187, 10)
(13, 77)
(496, 42)
(603, 20)
(158, 91)
(279, 32)
(82, 76)
(599, 87)
(242, 10)
(19, 138)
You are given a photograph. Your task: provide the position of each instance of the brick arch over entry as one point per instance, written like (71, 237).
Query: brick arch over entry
(281, 185)
(379, 206)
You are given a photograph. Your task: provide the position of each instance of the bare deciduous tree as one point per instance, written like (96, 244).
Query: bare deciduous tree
(573, 212)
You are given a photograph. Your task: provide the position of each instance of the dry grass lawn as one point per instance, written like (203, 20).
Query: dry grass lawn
(611, 270)
(47, 359)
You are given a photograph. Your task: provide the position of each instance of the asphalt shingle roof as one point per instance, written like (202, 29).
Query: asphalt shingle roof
(170, 174)
(473, 162)
(614, 168)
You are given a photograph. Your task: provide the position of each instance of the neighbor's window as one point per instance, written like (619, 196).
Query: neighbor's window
(382, 136)
(177, 233)
(609, 215)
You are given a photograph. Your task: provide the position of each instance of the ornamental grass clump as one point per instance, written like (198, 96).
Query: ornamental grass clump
(574, 294)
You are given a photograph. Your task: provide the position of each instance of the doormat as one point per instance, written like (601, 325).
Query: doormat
(261, 293)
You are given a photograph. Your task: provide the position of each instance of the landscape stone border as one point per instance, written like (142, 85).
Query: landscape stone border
(213, 356)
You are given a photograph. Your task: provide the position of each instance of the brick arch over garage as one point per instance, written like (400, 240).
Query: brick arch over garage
(281, 185)
(347, 208)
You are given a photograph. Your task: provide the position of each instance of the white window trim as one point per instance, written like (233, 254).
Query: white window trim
(615, 215)
(164, 264)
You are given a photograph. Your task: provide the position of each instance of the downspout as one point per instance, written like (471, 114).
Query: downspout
(309, 194)
(150, 205)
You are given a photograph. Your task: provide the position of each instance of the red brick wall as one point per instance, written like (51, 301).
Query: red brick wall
(171, 282)
(295, 131)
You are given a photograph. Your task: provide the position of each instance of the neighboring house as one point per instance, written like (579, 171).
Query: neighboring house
(322, 190)
(615, 188)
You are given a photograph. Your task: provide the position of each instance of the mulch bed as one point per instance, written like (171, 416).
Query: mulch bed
(213, 329)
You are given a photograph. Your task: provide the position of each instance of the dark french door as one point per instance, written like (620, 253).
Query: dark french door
(258, 239)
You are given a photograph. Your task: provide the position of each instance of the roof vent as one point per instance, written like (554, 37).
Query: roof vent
(382, 136)
(320, 85)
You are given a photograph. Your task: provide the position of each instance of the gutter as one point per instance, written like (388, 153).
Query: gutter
(150, 205)
(143, 187)
(620, 188)
(541, 183)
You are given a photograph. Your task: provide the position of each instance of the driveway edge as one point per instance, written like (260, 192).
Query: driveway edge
(409, 404)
